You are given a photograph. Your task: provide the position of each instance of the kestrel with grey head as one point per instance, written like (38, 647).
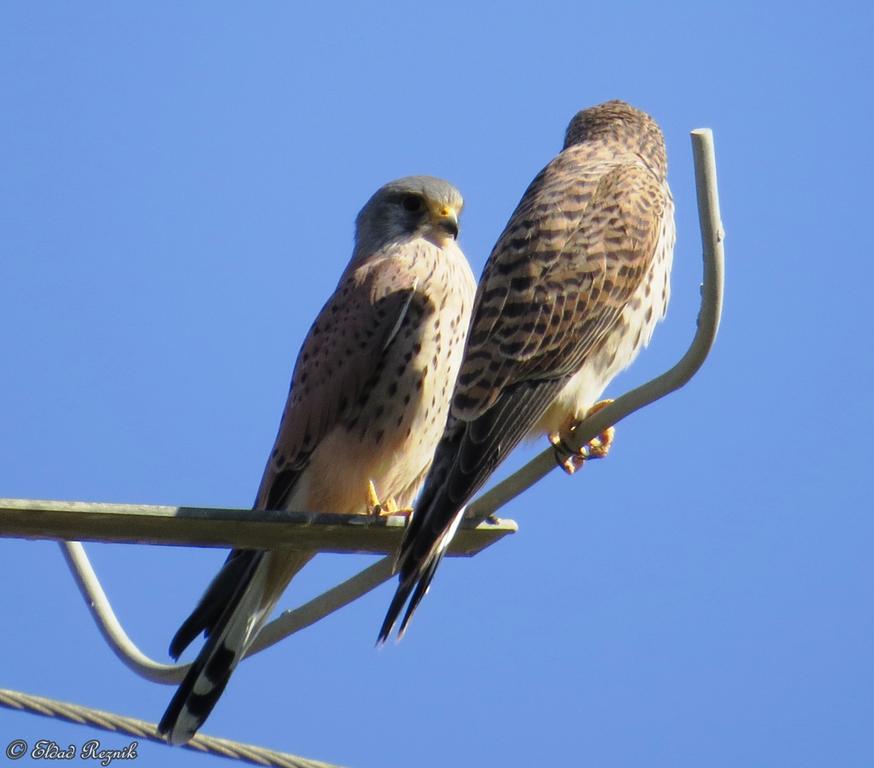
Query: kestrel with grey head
(570, 294)
(367, 406)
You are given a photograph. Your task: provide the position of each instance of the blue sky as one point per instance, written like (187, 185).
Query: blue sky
(177, 194)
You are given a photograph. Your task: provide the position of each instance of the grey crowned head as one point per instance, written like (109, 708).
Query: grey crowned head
(408, 208)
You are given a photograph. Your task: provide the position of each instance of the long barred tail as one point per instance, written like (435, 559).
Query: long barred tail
(418, 552)
(467, 455)
(230, 606)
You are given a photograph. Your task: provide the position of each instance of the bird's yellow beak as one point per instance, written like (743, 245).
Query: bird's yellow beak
(446, 219)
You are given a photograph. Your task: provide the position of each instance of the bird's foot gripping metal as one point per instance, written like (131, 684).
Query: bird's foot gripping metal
(378, 508)
(571, 459)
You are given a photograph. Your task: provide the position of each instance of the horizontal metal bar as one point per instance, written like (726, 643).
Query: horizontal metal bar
(213, 527)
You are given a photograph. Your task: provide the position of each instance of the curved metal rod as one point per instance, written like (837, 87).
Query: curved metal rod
(316, 609)
(290, 622)
(286, 624)
(712, 235)
(108, 624)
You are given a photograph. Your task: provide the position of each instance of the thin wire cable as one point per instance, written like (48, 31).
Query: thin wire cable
(141, 729)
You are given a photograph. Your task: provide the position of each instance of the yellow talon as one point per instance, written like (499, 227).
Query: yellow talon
(571, 459)
(373, 505)
(378, 508)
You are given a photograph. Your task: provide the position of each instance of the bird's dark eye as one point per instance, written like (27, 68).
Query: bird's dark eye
(412, 203)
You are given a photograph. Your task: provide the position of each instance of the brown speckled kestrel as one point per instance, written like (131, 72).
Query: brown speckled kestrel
(570, 294)
(368, 404)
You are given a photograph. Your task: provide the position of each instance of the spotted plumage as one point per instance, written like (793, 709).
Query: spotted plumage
(368, 402)
(571, 292)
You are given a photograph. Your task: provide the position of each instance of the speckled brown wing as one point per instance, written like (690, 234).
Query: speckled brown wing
(337, 362)
(572, 256)
(368, 402)
(558, 280)
(339, 356)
